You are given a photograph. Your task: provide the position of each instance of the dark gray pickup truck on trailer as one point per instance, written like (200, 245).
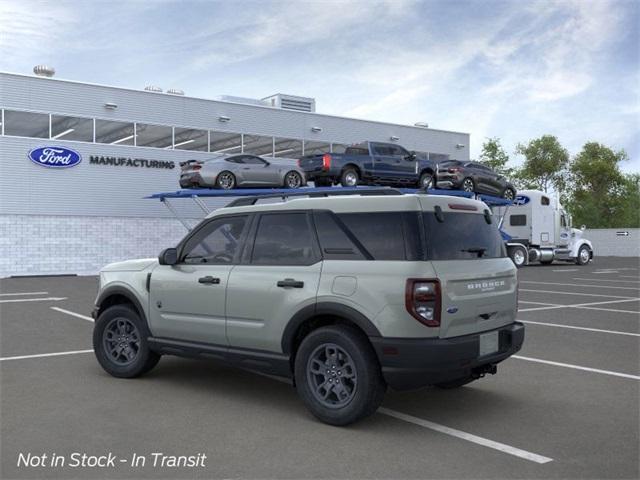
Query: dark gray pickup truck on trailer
(370, 163)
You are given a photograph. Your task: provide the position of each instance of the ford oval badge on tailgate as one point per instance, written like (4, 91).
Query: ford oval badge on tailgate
(55, 157)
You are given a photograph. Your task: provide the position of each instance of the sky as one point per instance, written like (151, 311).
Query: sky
(515, 70)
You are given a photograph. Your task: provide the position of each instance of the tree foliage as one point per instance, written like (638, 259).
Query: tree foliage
(545, 163)
(495, 157)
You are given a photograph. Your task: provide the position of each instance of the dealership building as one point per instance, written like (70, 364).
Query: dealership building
(126, 145)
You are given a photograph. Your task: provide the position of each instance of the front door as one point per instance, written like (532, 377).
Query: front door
(187, 300)
(279, 276)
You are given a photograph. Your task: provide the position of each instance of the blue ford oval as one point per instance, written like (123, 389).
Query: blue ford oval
(55, 157)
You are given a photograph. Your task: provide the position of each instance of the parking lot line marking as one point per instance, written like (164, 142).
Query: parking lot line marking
(609, 310)
(485, 442)
(577, 367)
(597, 330)
(582, 285)
(73, 314)
(579, 305)
(23, 293)
(628, 276)
(48, 299)
(575, 293)
(605, 280)
(567, 270)
(605, 272)
(541, 303)
(41, 355)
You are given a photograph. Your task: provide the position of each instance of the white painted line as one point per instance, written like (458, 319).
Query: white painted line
(628, 276)
(73, 314)
(535, 309)
(23, 293)
(597, 330)
(541, 303)
(610, 310)
(582, 285)
(41, 355)
(485, 442)
(606, 280)
(567, 270)
(579, 305)
(577, 367)
(48, 299)
(574, 293)
(605, 272)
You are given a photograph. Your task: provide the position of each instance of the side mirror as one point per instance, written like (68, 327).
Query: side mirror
(411, 157)
(169, 256)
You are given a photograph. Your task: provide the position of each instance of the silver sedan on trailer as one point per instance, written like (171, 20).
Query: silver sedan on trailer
(243, 170)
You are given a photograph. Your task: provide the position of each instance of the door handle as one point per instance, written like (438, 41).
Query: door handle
(290, 282)
(209, 280)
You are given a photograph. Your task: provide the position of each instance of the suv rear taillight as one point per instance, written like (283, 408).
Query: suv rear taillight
(326, 161)
(422, 299)
(453, 170)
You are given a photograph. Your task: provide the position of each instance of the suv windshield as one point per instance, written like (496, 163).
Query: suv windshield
(461, 236)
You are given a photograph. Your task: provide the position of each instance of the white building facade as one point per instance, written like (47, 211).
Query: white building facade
(129, 144)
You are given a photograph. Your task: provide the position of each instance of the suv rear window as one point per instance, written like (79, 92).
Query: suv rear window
(461, 236)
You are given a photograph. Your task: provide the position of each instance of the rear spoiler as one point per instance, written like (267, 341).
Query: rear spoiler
(188, 162)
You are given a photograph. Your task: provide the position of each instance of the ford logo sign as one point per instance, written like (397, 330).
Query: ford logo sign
(55, 157)
(452, 310)
(521, 200)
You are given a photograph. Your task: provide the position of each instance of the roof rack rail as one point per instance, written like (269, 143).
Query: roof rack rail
(315, 193)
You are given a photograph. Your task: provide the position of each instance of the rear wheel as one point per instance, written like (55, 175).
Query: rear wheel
(349, 178)
(338, 376)
(293, 179)
(508, 194)
(226, 180)
(120, 343)
(584, 255)
(468, 185)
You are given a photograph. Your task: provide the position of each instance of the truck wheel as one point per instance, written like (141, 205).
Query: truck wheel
(338, 376)
(584, 255)
(349, 178)
(468, 185)
(518, 256)
(426, 181)
(120, 343)
(455, 383)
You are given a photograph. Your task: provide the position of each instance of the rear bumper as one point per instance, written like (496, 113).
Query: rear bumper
(189, 180)
(448, 181)
(409, 363)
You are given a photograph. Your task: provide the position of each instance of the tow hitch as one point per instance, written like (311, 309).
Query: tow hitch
(479, 372)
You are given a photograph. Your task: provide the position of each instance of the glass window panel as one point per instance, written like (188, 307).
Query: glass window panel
(114, 132)
(283, 239)
(258, 145)
(287, 148)
(190, 139)
(26, 124)
(438, 157)
(338, 148)
(315, 148)
(225, 142)
(157, 136)
(71, 128)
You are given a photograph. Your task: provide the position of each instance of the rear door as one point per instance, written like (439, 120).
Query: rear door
(279, 276)
(383, 161)
(478, 282)
(257, 171)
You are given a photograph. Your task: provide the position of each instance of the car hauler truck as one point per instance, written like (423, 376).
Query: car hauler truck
(540, 231)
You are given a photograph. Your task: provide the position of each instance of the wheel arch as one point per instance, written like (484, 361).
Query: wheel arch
(119, 295)
(319, 315)
(354, 166)
(428, 170)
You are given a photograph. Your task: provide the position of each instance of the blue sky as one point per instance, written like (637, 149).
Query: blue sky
(514, 70)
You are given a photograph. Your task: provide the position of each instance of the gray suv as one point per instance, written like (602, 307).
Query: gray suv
(346, 295)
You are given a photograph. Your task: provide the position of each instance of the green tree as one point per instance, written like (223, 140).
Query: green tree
(495, 157)
(545, 163)
(600, 195)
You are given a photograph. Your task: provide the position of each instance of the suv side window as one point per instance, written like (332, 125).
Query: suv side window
(381, 233)
(284, 239)
(217, 242)
(335, 239)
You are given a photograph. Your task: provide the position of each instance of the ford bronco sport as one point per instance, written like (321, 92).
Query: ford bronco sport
(346, 295)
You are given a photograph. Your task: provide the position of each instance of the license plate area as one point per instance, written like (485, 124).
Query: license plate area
(489, 343)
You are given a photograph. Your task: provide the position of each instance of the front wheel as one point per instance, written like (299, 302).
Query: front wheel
(509, 194)
(226, 180)
(584, 255)
(349, 178)
(120, 343)
(293, 179)
(518, 256)
(426, 181)
(338, 376)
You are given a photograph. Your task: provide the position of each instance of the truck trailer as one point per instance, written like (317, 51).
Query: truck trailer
(538, 229)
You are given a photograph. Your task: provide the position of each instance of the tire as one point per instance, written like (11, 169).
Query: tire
(349, 178)
(509, 194)
(134, 360)
(292, 180)
(468, 185)
(426, 181)
(322, 182)
(584, 255)
(455, 383)
(518, 256)
(355, 369)
(226, 180)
